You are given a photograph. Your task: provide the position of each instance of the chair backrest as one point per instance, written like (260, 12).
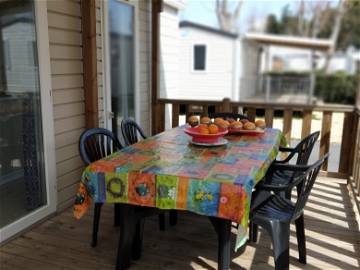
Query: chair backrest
(225, 115)
(305, 147)
(97, 143)
(130, 130)
(305, 186)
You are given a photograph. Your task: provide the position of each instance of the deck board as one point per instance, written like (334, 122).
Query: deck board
(62, 242)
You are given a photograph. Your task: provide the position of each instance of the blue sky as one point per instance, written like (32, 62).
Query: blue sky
(203, 11)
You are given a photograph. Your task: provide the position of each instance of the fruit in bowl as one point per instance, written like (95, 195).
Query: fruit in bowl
(260, 124)
(205, 120)
(249, 126)
(206, 134)
(193, 120)
(236, 125)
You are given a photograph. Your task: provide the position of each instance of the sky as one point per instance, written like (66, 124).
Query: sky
(203, 11)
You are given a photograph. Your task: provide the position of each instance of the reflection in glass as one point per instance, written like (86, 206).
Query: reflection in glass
(122, 61)
(22, 186)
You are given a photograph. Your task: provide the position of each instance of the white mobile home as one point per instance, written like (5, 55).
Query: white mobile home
(209, 63)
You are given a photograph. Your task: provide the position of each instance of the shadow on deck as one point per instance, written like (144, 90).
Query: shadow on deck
(333, 240)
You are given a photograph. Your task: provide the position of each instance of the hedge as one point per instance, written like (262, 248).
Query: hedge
(333, 88)
(336, 88)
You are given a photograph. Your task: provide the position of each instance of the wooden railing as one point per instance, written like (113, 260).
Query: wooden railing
(349, 130)
(355, 177)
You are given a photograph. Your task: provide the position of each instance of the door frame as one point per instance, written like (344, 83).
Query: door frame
(106, 62)
(42, 40)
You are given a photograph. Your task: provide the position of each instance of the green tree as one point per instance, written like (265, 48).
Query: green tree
(272, 25)
(350, 27)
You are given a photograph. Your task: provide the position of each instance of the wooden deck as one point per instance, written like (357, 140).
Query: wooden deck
(333, 240)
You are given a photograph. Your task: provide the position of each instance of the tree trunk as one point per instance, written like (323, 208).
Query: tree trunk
(334, 35)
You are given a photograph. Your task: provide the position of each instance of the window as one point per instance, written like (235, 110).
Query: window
(199, 57)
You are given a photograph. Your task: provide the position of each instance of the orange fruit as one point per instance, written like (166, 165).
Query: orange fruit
(249, 126)
(201, 126)
(205, 120)
(204, 131)
(236, 125)
(260, 123)
(218, 120)
(213, 129)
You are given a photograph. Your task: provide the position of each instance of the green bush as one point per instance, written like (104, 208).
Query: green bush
(336, 88)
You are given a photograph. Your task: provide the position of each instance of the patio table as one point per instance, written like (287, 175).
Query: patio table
(166, 172)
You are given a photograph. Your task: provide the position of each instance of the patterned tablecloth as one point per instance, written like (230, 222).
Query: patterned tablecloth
(166, 172)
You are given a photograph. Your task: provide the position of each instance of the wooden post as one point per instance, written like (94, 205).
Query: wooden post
(156, 112)
(251, 113)
(325, 136)
(175, 114)
(226, 105)
(287, 125)
(88, 12)
(346, 143)
(269, 117)
(306, 124)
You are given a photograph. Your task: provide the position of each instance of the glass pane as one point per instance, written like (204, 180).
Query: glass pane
(122, 62)
(22, 185)
(199, 57)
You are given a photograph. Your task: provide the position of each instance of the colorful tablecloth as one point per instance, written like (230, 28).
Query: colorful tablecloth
(167, 172)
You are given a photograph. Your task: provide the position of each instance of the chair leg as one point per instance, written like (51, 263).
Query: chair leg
(280, 234)
(162, 221)
(300, 235)
(173, 215)
(116, 215)
(288, 194)
(97, 211)
(253, 232)
(138, 239)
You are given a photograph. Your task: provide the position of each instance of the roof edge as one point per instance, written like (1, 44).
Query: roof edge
(208, 29)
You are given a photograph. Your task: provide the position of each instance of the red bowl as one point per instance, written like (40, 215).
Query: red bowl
(205, 138)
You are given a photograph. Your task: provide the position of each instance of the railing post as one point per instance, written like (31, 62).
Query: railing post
(175, 114)
(226, 105)
(346, 143)
(269, 117)
(251, 113)
(325, 136)
(306, 125)
(159, 111)
(287, 124)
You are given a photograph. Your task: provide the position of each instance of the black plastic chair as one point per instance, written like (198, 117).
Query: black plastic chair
(95, 144)
(277, 177)
(275, 213)
(130, 131)
(226, 115)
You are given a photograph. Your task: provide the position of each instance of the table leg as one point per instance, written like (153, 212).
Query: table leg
(138, 239)
(127, 231)
(173, 214)
(223, 231)
(116, 214)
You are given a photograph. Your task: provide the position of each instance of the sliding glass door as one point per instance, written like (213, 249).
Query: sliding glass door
(23, 187)
(121, 58)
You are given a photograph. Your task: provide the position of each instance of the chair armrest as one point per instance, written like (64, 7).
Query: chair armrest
(297, 170)
(286, 149)
(292, 151)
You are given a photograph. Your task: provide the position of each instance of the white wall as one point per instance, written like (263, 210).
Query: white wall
(169, 51)
(65, 37)
(216, 82)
